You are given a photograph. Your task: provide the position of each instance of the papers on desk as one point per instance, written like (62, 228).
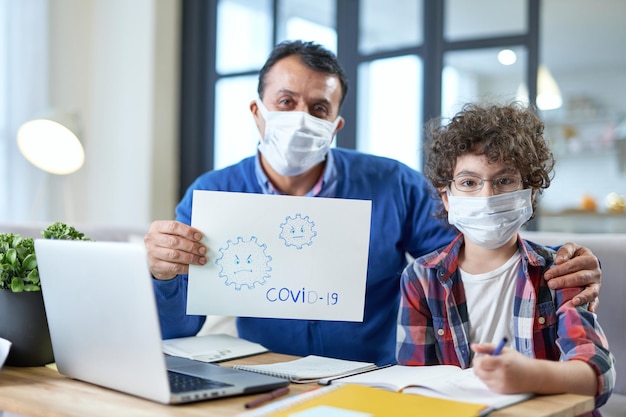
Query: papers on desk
(442, 381)
(211, 348)
(280, 256)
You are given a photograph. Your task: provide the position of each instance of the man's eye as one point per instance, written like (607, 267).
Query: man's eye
(320, 111)
(285, 104)
(505, 181)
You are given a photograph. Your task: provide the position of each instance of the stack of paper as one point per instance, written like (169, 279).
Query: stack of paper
(211, 348)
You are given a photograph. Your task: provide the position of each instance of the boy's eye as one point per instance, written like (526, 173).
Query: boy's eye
(468, 182)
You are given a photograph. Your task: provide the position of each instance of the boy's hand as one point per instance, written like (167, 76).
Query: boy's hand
(510, 372)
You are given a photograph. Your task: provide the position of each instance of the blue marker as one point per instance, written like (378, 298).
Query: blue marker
(500, 346)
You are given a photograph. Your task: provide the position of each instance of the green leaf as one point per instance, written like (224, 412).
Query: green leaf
(11, 257)
(31, 287)
(25, 248)
(18, 261)
(33, 277)
(17, 239)
(17, 285)
(30, 262)
(62, 231)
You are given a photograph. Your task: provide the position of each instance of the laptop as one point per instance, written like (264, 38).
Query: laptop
(105, 329)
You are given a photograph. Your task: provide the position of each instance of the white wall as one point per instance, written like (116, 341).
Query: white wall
(115, 62)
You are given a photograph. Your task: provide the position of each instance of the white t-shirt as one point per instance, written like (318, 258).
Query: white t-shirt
(490, 297)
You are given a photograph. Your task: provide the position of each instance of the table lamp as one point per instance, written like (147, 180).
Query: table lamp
(50, 143)
(548, 92)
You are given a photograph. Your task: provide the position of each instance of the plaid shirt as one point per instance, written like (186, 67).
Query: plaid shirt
(433, 322)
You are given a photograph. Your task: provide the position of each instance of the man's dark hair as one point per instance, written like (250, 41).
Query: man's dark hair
(313, 55)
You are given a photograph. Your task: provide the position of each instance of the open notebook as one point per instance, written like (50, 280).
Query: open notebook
(442, 381)
(105, 330)
(351, 400)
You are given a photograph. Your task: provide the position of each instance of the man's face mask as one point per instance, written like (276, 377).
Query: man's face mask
(491, 221)
(294, 141)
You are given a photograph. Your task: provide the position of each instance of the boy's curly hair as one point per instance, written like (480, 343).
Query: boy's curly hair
(511, 134)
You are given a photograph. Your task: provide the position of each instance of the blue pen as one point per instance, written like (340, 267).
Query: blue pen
(500, 346)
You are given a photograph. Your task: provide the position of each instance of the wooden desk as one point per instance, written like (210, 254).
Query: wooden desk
(43, 392)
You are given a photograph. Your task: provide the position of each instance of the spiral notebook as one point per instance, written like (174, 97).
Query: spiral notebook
(211, 347)
(310, 368)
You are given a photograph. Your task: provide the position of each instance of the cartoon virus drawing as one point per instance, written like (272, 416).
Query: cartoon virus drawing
(297, 231)
(244, 262)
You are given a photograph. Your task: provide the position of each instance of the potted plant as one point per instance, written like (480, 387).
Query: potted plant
(22, 310)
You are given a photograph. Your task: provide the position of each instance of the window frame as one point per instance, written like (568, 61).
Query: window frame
(199, 76)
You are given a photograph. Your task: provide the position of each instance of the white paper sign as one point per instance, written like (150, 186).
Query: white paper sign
(280, 256)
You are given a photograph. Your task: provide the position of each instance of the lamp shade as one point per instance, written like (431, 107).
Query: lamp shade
(51, 146)
(548, 92)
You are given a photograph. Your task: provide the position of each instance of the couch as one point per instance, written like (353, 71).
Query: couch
(610, 248)
(95, 232)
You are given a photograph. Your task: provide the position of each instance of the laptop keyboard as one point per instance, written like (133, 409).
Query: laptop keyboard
(185, 383)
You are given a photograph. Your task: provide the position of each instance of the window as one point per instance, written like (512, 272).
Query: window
(476, 75)
(389, 112)
(405, 64)
(23, 83)
(244, 40)
(244, 35)
(385, 28)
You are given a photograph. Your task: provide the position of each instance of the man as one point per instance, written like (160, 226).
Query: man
(301, 89)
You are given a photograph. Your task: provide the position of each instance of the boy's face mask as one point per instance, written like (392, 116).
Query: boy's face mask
(294, 141)
(490, 221)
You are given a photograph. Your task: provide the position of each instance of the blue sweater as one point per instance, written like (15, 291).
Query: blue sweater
(402, 221)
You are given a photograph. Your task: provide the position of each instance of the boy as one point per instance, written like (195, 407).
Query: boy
(489, 165)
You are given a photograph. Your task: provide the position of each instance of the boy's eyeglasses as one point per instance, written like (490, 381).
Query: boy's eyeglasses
(469, 184)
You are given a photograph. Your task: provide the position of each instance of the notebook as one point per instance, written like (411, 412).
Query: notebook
(310, 368)
(442, 381)
(352, 400)
(214, 347)
(105, 329)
